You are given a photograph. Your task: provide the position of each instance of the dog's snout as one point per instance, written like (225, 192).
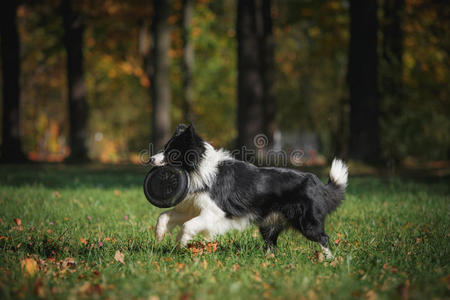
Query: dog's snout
(157, 159)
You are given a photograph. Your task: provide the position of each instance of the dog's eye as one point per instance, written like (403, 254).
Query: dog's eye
(181, 128)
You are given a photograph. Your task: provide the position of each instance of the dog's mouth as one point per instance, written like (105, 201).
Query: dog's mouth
(158, 159)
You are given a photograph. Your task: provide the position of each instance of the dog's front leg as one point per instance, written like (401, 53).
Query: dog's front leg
(193, 227)
(166, 222)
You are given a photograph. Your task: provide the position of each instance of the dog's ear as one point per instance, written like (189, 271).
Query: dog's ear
(191, 129)
(180, 129)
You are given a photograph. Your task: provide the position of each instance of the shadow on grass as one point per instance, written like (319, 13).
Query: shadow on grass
(68, 176)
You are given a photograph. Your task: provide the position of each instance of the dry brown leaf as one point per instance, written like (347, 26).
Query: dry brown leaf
(257, 277)
(318, 255)
(68, 262)
(371, 295)
(235, 267)
(205, 264)
(29, 266)
(334, 263)
(39, 288)
(180, 266)
(18, 221)
(119, 257)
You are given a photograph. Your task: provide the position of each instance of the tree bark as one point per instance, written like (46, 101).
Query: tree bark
(362, 77)
(10, 51)
(159, 74)
(249, 27)
(78, 106)
(188, 62)
(393, 48)
(268, 72)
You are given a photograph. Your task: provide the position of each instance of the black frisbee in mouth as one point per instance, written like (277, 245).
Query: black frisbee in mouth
(166, 186)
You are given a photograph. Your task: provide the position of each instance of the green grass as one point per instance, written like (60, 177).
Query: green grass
(392, 241)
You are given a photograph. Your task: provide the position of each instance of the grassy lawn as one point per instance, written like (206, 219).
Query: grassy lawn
(64, 231)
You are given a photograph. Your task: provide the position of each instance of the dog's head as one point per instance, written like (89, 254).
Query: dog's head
(184, 149)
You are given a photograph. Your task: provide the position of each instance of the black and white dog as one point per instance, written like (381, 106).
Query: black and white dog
(226, 193)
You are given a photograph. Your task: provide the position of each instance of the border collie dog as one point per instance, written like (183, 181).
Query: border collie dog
(226, 193)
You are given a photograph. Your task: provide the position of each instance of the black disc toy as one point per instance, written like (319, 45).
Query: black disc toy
(166, 186)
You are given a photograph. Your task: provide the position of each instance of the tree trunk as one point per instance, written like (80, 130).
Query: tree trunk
(250, 80)
(78, 106)
(188, 62)
(392, 75)
(268, 72)
(10, 48)
(159, 74)
(362, 78)
(392, 47)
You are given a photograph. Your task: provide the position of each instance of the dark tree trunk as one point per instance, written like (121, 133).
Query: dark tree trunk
(188, 62)
(159, 74)
(268, 72)
(362, 77)
(78, 106)
(10, 48)
(249, 28)
(392, 48)
(392, 73)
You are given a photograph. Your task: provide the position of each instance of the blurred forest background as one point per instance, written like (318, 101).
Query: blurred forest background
(99, 80)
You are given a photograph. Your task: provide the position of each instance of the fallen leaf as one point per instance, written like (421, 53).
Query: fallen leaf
(84, 241)
(186, 296)
(371, 295)
(334, 263)
(18, 221)
(68, 262)
(180, 266)
(235, 267)
(257, 277)
(116, 193)
(119, 257)
(205, 264)
(39, 288)
(403, 290)
(318, 255)
(57, 194)
(29, 266)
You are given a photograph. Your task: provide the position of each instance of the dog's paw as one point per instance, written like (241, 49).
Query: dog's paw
(328, 254)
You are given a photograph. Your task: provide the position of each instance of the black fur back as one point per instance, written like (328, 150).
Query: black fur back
(241, 189)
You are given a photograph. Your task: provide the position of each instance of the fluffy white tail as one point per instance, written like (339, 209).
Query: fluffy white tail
(339, 173)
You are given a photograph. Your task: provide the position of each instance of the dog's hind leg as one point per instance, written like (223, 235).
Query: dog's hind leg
(270, 235)
(313, 229)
